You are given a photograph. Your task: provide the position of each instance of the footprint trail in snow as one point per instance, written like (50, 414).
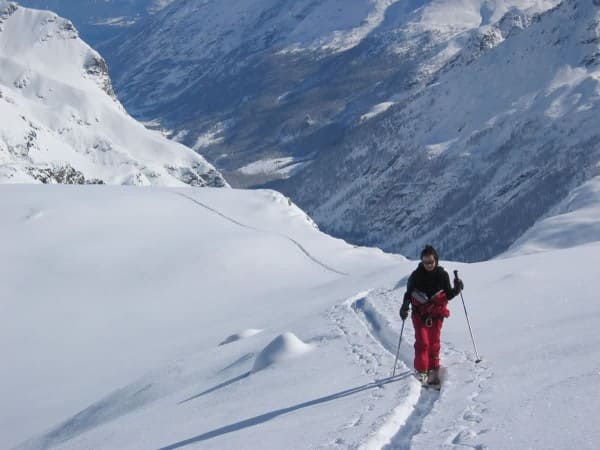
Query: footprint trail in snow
(451, 419)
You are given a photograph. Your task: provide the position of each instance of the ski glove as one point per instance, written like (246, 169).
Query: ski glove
(404, 312)
(458, 285)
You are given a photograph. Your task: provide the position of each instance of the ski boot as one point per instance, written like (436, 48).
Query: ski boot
(422, 377)
(433, 378)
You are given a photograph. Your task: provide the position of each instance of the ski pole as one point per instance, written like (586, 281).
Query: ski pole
(478, 360)
(398, 351)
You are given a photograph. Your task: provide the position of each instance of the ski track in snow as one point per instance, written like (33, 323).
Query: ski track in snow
(410, 425)
(284, 236)
(407, 425)
(375, 363)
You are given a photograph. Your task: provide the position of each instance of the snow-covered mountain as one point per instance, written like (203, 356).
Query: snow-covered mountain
(129, 329)
(500, 135)
(61, 122)
(96, 20)
(391, 123)
(280, 81)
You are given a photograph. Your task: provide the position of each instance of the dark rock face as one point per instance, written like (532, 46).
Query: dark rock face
(196, 176)
(96, 67)
(6, 12)
(58, 174)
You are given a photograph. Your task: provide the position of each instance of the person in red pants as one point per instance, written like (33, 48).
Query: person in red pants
(428, 291)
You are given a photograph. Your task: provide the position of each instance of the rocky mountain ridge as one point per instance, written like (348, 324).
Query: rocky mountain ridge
(63, 124)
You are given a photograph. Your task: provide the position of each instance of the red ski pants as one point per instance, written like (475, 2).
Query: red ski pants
(427, 343)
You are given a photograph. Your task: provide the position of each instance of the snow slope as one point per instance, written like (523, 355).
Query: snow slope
(61, 121)
(141, 286)
(575, 221)
(212, 318)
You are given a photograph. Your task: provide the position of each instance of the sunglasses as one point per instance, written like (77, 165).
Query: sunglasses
(428, 262)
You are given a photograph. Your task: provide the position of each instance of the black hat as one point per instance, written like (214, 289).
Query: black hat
(430, 251)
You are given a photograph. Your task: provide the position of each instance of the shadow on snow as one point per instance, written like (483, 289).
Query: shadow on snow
(217, 387)
(237, 426)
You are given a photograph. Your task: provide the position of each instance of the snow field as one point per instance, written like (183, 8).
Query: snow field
(130, 282)
(575, 221)
(116, 302)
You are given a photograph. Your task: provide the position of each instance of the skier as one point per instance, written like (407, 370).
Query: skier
(428, 290)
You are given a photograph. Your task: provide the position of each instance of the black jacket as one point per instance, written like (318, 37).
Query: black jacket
(428, 283)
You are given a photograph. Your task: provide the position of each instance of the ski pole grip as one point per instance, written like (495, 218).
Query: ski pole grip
(455, 274)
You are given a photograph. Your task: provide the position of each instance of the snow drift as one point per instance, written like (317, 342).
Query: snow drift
(241, 335)
(284, 347)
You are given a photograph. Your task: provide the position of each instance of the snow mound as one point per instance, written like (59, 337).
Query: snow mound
(283, 347)
(241, 335)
